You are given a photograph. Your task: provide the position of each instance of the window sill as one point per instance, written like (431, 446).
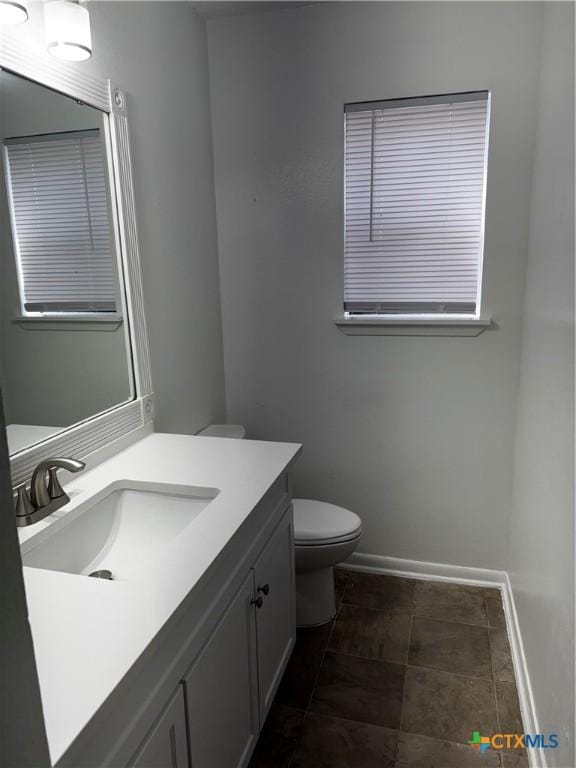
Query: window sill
(413, 326)
(93, 322)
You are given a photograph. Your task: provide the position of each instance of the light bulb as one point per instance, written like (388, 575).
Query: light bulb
(13, 11)
(67, 27)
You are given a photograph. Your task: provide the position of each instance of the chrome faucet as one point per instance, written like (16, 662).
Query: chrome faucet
(46, 494)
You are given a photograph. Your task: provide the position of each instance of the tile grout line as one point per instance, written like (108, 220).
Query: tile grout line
(445, 741)
(307, 709)
(397, 756)
(397, 663)
(407, 663)
(427, 736)
(334, 620)
(497, 708)
(447, 672)
(498, 719)
(419, 616)
(413, 611)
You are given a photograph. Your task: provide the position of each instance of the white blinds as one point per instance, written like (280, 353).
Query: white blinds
(58, 198)
(415, 175)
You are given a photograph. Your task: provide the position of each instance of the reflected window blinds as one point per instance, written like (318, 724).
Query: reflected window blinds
(60, 219)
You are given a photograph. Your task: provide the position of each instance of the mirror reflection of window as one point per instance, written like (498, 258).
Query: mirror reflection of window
(60, 226)
(64, 346)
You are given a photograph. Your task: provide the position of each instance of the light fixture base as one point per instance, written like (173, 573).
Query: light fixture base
(67, 51)
(67, 26)
(13, 12)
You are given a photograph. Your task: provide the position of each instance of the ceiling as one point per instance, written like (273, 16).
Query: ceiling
(211, 9)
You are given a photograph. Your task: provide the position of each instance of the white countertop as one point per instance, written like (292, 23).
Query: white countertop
(20, 436)
(88, 632)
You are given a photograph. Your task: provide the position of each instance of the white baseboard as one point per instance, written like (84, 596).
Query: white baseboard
(480, 577)
(417, 569)
(537, 757)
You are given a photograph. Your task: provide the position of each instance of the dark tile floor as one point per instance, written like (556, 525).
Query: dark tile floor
(400, 679)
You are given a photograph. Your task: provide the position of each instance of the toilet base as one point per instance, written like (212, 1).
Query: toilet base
(315, 599)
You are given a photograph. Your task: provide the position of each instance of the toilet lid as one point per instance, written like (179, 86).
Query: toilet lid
(224, 430)
(317, 522)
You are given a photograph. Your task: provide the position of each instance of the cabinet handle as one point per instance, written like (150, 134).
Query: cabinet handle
(259, 602)
(265, 589)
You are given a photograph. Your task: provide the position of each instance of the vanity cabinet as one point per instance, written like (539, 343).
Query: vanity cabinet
(220, 706)
(230, 687)
(166, 745)
(221, 689)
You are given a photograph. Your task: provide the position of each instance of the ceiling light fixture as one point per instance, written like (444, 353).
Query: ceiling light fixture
(13, 11)
(67, 30)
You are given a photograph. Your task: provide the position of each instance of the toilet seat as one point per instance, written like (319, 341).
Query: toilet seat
(318, 523)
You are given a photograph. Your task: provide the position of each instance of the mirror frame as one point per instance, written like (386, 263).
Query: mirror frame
(133, 419)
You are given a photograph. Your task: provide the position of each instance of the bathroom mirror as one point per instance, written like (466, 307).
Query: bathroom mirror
(64, 351)
(74, 362)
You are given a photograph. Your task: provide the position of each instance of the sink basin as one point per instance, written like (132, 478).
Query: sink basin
(123, 532)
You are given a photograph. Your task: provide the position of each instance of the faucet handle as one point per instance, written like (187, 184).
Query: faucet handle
(24, 506)
(55, 490)
(40, 492)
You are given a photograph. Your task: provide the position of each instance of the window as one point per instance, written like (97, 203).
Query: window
(415, 180)
(60, 223)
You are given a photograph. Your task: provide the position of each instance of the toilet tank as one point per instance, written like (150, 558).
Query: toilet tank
(236, 431)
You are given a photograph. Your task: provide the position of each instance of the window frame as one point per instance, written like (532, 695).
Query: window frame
(422, 323)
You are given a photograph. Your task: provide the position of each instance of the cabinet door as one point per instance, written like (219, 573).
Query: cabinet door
(221, 689)
(166, 746)
(275, 618)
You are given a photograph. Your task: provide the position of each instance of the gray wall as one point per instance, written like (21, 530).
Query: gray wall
(156, 51)
(542, 524)
(23, 743)
(53, 376)
(415, 434)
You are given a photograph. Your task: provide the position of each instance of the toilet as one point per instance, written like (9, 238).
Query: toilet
(324, 535)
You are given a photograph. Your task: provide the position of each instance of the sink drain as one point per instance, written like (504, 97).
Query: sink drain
(103, 574)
